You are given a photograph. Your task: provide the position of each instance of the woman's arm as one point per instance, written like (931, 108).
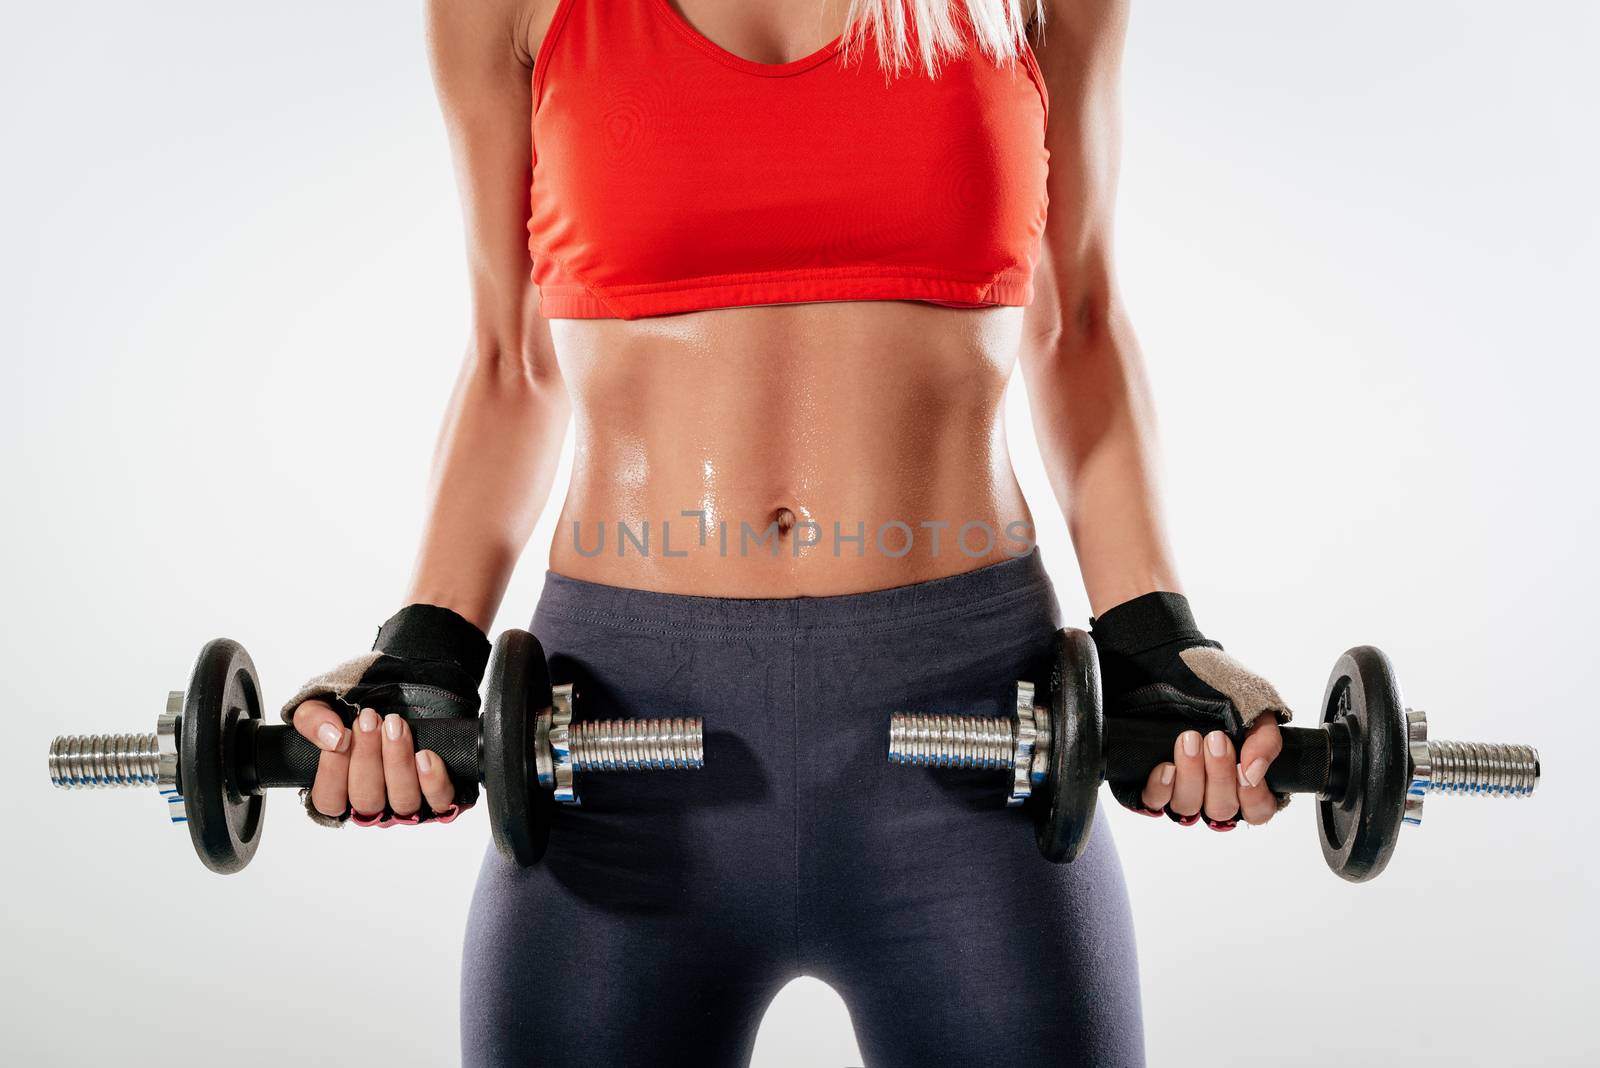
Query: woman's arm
(1096, 429)
(497, 452)
(1086, 384)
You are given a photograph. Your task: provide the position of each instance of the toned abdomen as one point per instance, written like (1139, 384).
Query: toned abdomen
(801, 450)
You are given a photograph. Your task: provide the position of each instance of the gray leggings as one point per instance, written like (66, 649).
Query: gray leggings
(671, 908)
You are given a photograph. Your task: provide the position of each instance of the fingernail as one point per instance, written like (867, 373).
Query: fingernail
(1217, 743)
(424, 762)
(367, 721)
(329, 737)
(1166, 774)
(1191, 743)
(1240, 772)
(391, 726)
(1257, 772)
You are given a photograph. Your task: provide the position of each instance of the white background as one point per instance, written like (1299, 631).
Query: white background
(1359, 241)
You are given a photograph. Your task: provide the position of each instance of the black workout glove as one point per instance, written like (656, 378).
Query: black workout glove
(1155, 662)
(427, 663)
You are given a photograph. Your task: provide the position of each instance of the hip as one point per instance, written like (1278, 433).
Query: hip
(796, 800)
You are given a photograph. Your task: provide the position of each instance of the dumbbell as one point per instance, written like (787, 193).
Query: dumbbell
(1370, 761)
(214, 757)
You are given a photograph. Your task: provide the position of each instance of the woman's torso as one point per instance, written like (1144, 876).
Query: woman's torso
(786, 449)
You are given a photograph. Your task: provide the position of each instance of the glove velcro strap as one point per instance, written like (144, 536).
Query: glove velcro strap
(382, 682)
(1146, 623)
(428, 632)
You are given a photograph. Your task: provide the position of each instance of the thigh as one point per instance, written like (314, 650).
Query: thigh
(660, 921)
(930, 910)
(550, 977)
(1007, 960)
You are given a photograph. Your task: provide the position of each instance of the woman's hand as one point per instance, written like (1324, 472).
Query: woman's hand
(1207, 777)
(427, 661)
(373, 768)
(1156, 664)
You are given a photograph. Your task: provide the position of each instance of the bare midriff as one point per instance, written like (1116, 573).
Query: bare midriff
(786, 451)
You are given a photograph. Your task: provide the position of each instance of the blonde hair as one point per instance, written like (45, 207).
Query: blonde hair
(931, 31)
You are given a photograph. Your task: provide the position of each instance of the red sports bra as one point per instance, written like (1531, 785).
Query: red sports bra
(670, 175)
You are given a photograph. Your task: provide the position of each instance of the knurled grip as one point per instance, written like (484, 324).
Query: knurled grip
(270, 755)
(1135, 745)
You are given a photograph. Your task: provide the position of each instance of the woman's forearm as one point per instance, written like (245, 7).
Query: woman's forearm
(493, 468)
(1096, 431)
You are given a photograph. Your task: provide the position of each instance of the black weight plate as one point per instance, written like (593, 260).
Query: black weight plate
(1064, 814)
(224, 824)
(1358, 831)
(519, 689)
